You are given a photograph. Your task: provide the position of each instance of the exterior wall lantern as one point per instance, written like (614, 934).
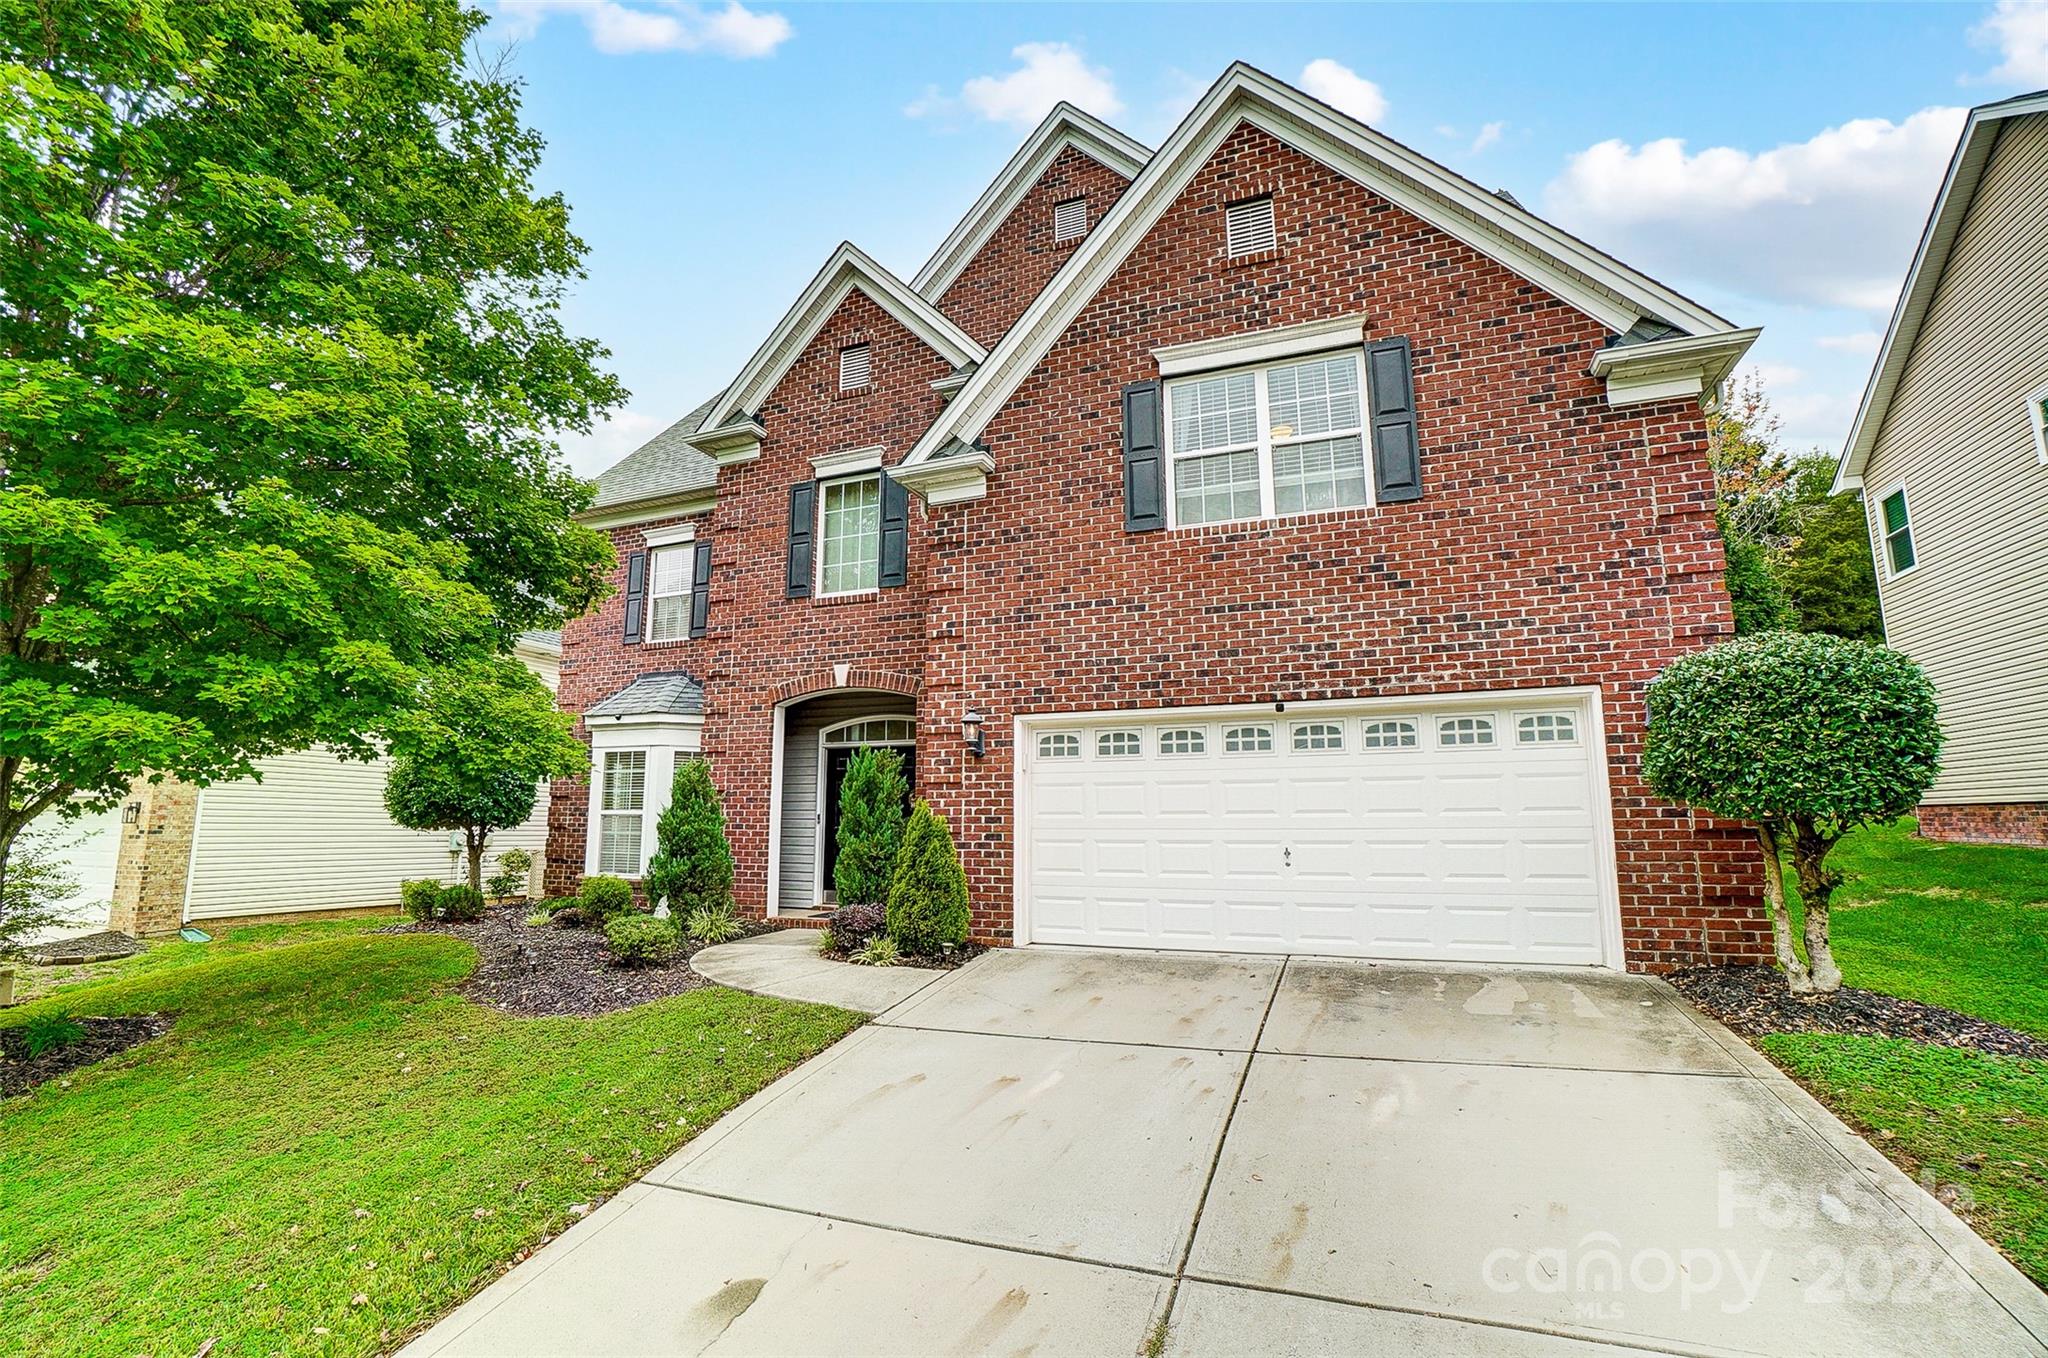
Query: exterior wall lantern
(970, 732)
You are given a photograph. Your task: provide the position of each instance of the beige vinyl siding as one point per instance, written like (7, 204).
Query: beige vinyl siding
(797, 886)
(1974, 610)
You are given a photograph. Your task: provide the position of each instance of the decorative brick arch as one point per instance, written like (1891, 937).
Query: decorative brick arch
(850, 677)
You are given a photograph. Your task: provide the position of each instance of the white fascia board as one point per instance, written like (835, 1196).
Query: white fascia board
(1688, 365)
(1944, 222)
(1603, 288)
(687, 730)
(1066, 126)
(1259, 346)
(849, 267)
(640, 511)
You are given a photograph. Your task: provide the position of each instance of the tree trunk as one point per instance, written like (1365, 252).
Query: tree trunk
(474, 838)
(1796, 974)
(1817, 883)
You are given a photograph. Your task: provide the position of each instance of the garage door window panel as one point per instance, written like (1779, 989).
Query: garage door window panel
(1059, 745)
(1184, 740)
(1248, 740)
(1268, 442)
(1464, 732)
(1313, 736)
(1118, 745)
(1394, 733)
(1546, 728)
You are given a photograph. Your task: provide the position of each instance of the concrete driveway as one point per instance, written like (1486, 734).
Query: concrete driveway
(1049, 1151)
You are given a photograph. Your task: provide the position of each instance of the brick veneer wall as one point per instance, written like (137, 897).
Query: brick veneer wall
(1561, 541)
(154, 858)
(1013, 265)
(1987, 823)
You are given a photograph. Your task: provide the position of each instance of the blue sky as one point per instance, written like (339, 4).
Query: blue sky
(1776, 162)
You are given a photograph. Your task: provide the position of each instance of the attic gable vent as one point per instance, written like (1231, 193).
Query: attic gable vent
(855, 367)
(1248, 226)
(1070, 219)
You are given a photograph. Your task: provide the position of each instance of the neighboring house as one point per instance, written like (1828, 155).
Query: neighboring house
(1259, 544)
(1950, 452)
(310, 834)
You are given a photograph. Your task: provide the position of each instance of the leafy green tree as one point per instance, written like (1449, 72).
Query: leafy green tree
(470, 755)
(1758, 599)
(1828, 572)
(281, 366)
(1805, 737)
(928, 905)
(692, 864)
(873, 800)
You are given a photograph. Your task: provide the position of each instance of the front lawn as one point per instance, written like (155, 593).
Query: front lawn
(1964, 926)
(329, 1149)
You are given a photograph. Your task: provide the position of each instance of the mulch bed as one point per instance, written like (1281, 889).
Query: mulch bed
(538, 972)
(101, 947)
(104, 1037)
(1754, 1002)
(951, 961)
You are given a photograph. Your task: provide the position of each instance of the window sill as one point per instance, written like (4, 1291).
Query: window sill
(648, 643)
(1270, 521)
(852, 596)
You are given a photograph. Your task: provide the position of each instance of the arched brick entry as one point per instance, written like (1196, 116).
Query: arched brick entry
(805, 709)
(849, 677)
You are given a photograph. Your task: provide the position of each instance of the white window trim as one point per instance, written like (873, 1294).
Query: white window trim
(1261, 346)
(851, 463)
(1883, 544)
(602, 759)
(665, 739)
(669, 536)
(818, 537)
(689, 584)
(1264, 446)
(2037, 421)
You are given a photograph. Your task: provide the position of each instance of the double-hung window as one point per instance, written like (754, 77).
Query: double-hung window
(622, 808)
(1287, 438)
(668, 592)
(1898, 532)
(850, 535)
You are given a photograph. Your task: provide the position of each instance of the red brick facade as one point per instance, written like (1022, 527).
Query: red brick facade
(1016, 262)
(1560, 541)
(1987, 823)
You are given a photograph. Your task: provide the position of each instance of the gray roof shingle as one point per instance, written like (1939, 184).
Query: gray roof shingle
(670, 693)
(664, 465)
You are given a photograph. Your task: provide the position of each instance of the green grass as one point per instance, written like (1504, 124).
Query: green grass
(1964, 926)
(331, 1149)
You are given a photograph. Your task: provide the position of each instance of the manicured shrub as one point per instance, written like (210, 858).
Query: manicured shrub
(419, 897)
(854, 925)
(878, 951)
(47, 1032)
(641, 940)
(712, 925)
(928, 906)
(692, 865)
(462, 903)
(871, 807)
(605, 898)
(510, 878)
(569, 917)
(1804, 736)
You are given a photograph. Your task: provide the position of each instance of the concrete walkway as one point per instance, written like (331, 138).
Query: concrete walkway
(786, 964)
(1048, 1151)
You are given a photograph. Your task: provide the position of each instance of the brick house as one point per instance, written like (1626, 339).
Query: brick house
(1258, 544)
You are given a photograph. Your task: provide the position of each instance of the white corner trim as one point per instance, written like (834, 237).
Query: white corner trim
(948, 480)
(1259, 346)
(848, 463)
(1690, 365)
(670, 536)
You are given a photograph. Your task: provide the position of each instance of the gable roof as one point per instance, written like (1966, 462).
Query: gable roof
(663, 468)
(1944, 223)
(1598, 284)
(1063, 128)
(848, 269)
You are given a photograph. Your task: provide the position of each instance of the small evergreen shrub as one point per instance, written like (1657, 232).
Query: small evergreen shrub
(48, 1032)
(605, 898)
(871, 810)
(692, 865)
(708, 925)
(878, 951)
(462, 903)
(854, 925)
(641, 940)
(510, 878)
(419, 897)
(928, 906)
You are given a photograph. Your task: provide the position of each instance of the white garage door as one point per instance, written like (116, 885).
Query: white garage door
(1464, 830)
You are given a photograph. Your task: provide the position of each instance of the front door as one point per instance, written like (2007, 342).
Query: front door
(837, 759)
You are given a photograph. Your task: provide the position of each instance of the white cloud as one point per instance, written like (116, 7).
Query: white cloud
(2019, 30)
(1488, 135)
(1829, 220)
(1860, 342)
(589, 454)
(1046, 73)
(662, 26)
(1344, 90)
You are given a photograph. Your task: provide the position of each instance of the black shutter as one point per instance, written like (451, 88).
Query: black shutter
(895, 533)
(1144, 459)
(803, 505)
(700, 588)
(636, 594)
(1396, 454)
